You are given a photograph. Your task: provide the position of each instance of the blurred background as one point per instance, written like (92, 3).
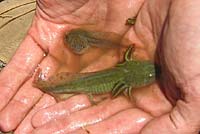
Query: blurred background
(15, 19)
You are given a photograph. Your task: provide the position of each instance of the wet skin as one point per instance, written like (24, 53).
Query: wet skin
(160, 25)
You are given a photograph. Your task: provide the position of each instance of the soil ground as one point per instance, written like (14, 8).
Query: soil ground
(15, 19)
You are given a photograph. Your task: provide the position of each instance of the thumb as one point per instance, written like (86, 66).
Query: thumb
(183, 119)
(181, 49)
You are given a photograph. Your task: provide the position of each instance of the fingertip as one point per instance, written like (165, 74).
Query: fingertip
(26, 126)
(6, 123)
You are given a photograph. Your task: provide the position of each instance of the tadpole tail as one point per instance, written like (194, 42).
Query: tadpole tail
(55, 82)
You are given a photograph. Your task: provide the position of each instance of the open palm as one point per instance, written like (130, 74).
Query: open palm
(158, 32)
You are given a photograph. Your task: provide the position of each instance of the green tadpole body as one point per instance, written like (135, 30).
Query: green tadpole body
(79, 40)
(122, 78)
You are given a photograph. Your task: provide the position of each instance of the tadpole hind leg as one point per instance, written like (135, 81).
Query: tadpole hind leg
(128, 93)
(118, 88)
(128, 53)
(118, 91)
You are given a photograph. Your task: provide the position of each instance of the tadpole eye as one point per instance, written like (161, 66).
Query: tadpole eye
(150, 75)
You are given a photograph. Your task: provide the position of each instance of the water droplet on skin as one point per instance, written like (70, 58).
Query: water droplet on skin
(141, 120)
(79, 124)
(60, 132)
(43, 74)
(46, 70)
(28, 58)
(78, 106)
(24, 101)
(44, 55)
(50, 115)
(38, 65)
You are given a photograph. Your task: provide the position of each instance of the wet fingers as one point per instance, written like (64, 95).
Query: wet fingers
(84, 117)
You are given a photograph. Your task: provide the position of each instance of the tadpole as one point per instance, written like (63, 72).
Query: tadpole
(80, 40)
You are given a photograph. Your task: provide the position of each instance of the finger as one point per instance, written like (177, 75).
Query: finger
(181, 120)
(25, 126)
(21, 103)
(85, 117)
(180, 74)
(25, 98)
(19, 69)
(126, 122)
(62, 109)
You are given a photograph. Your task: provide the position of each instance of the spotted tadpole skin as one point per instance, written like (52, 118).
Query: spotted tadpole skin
(79, 40)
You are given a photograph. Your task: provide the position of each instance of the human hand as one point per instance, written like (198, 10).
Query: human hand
(158, 116)
(160, 25)
(43, 46)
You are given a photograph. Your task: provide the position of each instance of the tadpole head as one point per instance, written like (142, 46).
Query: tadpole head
(142, 73)
(148, 72)
(76, 40)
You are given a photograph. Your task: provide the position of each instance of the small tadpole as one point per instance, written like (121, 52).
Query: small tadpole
(131, 21)
(80, 40)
